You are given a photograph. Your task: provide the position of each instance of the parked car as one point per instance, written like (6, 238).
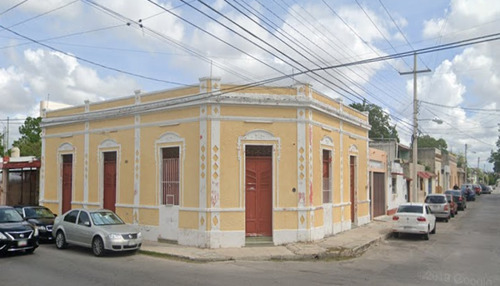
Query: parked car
(453, 204)
(459, 199)
(15, 233)
(40, 217)
(468, 192)
(415, 218)
(485, 189)
(102, 230)
(439, 206)
(477, 189)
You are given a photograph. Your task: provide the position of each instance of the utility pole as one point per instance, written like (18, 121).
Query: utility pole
(414, 159)
(466, 181)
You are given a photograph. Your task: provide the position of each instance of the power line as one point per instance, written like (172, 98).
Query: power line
(91, 62)
(13, 7)
(459, 107)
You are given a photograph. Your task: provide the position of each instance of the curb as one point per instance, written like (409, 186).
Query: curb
(335, 253)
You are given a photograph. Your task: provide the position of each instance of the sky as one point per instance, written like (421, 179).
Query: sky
(69, 51)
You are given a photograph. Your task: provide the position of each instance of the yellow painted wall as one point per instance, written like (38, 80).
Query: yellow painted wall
(65, 111)
(181, 92)
(112, 104)
(285, 220)
(232, 221)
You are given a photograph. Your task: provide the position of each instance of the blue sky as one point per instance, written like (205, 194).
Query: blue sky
(173, 43)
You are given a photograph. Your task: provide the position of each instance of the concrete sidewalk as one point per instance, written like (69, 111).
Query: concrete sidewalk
(348, 244)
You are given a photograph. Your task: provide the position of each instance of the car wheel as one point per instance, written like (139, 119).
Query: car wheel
(447, 219)
(434, 229)
(61, 240)
(98, 246)
(426, 235)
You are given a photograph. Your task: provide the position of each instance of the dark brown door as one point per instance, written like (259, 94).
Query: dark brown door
(109, 181)
(352, 168)
(378, 194)
(67, 182)
(258, 190)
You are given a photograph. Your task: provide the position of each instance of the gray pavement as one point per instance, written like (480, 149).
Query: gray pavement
(344, 245)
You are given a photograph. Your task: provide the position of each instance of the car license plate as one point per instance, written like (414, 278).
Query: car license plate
(407, 227)
(22, 243)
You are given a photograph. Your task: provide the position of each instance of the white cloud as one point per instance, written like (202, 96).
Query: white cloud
(470, 79)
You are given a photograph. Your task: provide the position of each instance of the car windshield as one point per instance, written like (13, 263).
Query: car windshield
(38, 213)
(9, 215)
(410, 209)
(105, 218)
(435, 200)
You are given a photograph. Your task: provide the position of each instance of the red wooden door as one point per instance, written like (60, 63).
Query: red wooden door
(109, 181)
(378, 194)
(67, 182)
(259, 196)
(352, 165)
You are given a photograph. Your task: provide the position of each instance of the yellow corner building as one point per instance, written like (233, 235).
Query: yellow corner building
(213, 165)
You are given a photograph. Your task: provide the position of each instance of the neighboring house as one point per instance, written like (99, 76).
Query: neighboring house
(432, 159)
(213, 165)
(396, 191)
(378, 177)
(20, 179)
(450, 171)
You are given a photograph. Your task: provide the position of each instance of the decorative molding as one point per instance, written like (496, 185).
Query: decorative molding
(66, 148)
(327, 141)
(353, 149)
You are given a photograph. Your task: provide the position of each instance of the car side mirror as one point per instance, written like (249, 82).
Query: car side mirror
(86, 223)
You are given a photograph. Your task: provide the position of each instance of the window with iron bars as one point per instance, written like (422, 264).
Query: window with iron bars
(327, 176)
(170, 176)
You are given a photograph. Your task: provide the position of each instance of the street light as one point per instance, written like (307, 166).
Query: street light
(415, 154)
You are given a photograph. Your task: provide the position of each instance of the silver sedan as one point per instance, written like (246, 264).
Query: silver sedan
(102, 230)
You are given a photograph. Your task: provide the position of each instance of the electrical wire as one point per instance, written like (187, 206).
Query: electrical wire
(13, 7)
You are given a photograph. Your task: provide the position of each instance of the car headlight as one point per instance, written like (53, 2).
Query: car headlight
(139, 235)
(2, 236)
(115, 236)
(36, 231)
(41, 227)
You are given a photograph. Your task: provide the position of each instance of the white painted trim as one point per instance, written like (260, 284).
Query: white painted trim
(131, 206)
(205, 117)
(202, 216)
(85, 203)
(301, 170)
(42, 167)
(209, 210)
(86, 163)
(49, 201)
(207, 98)
(215, 160)
(344, 204)
(137, 164)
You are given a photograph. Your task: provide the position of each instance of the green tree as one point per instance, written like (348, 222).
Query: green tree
(2, 144)
(427, 141)
(495, 157)
(379, 120)
(30, 143)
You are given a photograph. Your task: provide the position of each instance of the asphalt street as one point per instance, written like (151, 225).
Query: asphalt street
(464, 251)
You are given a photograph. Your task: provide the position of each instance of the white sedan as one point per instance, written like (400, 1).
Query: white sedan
(415, 218)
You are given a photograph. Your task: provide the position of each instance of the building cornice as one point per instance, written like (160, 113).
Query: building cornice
(241, 99)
